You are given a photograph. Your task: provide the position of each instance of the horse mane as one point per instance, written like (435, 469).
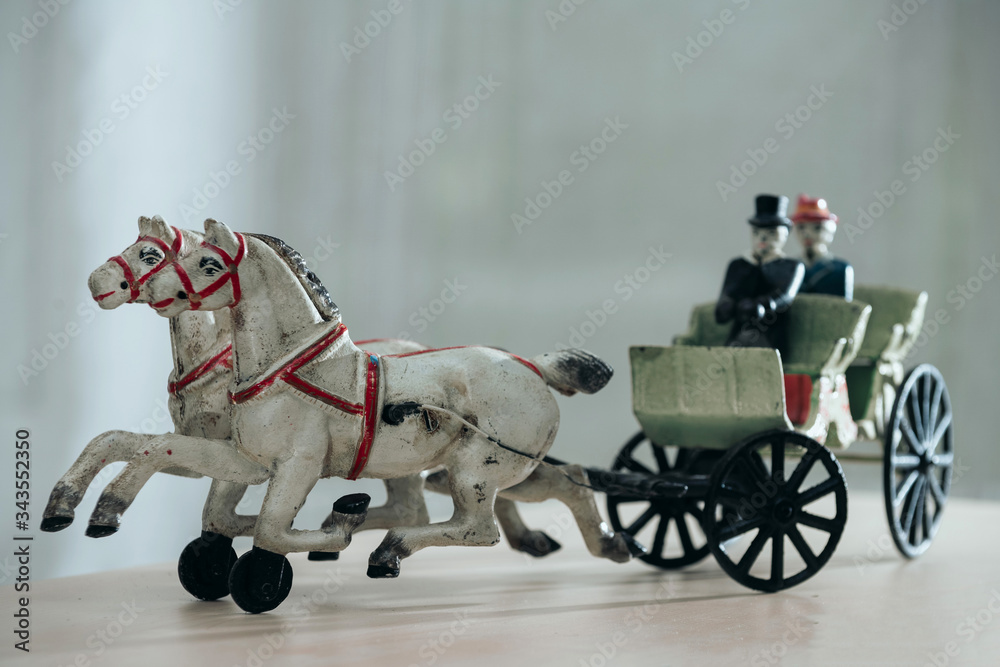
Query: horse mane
(319, 295)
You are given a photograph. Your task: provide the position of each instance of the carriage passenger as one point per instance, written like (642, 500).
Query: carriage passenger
(758, 289)
(815, 228)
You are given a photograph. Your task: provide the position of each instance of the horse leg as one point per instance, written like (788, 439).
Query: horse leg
(546, 482)
(107, 448)
(219, 515)
(291, 482)
(535, 543)
(404, 506)
(217, 459)
(473, 523)
(262, 578)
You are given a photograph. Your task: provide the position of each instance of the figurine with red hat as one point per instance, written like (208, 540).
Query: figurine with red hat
(759, 288)
(815, 228)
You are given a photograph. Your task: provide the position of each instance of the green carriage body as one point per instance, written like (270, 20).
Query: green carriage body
(697, 393)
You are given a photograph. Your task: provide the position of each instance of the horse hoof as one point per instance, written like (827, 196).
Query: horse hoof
(260, 580)
(634, 546)
(382, 572)
(98, 530)
(538, 544)
(205, 564)
(52, 524)
(324, 555)
(353, 503)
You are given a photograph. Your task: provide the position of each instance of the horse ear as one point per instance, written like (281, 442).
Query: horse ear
(145, 225)
(218, 234)
(160, 229)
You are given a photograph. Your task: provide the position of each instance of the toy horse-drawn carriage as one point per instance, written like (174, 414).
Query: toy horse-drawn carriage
(755, 437)
(747, 469)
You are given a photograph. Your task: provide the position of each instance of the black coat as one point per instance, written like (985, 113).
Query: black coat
(755, 298)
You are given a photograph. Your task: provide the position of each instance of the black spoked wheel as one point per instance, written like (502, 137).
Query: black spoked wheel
(919, 459)
(633, 515)
(260, 580)
(204, 566)
(762, 494)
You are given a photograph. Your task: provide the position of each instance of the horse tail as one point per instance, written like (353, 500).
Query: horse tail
(573, 370)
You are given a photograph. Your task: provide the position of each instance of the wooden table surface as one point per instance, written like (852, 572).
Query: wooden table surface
(492, 606)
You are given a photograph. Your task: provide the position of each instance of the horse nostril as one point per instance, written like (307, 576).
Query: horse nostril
(182, 295)
(124, 285)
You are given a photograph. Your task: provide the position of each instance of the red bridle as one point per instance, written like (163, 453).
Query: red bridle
(170, 254)
(232, 273)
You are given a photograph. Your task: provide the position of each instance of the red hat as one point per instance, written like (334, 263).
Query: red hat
(812, 209)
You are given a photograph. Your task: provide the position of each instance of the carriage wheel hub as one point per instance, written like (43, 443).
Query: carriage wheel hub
(783, 511)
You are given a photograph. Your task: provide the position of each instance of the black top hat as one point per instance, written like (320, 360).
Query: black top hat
(772, 211)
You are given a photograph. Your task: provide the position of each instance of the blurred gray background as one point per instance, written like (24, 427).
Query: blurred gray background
(696, 89)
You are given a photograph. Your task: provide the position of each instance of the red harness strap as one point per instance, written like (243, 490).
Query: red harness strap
(232, 273)
(170, 254)
(367, 411)
(524, 361)
(222, 359)
(371, 412)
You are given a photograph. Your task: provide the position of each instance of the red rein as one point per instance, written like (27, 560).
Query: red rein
(232, 273)
(170, 254)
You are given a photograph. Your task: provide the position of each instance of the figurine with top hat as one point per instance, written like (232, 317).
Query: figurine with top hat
(815, 228)
(759, 288)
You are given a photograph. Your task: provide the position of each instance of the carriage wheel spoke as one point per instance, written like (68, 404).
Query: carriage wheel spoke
(925, 409)
(814, 493)
(800, 472)
(928, 518)
(915, 444)
(817, 522)
(936, 404)
(943, 460)
(753, 551)
(661, 535)
(737, 528)
(936, 490)
(803, 548)
(904, 462)
(643, 519)
(685, 534)
(920, 503)
(755, 466)
(778, 461)
(778, 558)
(916, 419)
(910, 506)
(939, 433)
(904, 489)
(661, 458)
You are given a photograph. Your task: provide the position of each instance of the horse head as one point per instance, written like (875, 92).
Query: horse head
(123, 278)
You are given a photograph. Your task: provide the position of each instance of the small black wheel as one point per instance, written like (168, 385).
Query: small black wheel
(260, 580)
(752, 502)
(640, 455)
(204, 566)
(919, 459)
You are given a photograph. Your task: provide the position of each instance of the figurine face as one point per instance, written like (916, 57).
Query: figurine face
(816, 237)
(768, 241)
(111, 284)
(209, 280)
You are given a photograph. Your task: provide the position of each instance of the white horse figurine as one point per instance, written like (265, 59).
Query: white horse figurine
(201, 346)
(309, 403)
